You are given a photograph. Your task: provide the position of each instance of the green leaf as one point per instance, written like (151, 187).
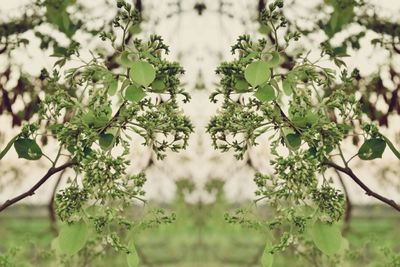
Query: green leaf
(241, 86)
(27, 149)
(287, 87)
(265, 29)
(293, 140)
(267, 259)
(91, 120)
(106, 141)
(389, 143)
(344, 246)
(339, 18)
(7, 148)
(274, 60)
(305, 121)
(134, 93)
(73, 237)
(142, 73)
(125, 83)
(150, 56)
(58, 16)
(326, 237)
(132, 257)
(135, 29)
(265, 93)
(124, 59)
(257, 73)
(274, 83)
(158, 86)
(55, 245)
(372, 149)
(112, 87)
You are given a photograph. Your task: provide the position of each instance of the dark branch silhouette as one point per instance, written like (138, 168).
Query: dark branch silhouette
(367, 190)
(261, 5)
(50, 206)
(30, 192)
(349, 204)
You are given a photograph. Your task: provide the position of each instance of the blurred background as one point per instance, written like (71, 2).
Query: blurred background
(201, 184)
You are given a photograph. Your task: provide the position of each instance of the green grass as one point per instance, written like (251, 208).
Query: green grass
(198, 238)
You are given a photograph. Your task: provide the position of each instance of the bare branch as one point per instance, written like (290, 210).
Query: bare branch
(31, 191)
(50, 205)
(349, 204)
(367, 190)
(261, 5)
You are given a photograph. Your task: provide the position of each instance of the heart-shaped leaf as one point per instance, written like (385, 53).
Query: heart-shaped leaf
(293, 140)
(257, 73)
(267, 258)
(112, 87)
(241, 86)
(265, 93)
(27, 149)
(274, 59)
(372, 149)
(134, 93)
(326, 237)
(158, 86)
(287, 87)
(142, 73)
(73, 237)
(132, 257)
(106, 140)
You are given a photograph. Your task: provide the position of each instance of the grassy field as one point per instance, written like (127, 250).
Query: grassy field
(199, 238)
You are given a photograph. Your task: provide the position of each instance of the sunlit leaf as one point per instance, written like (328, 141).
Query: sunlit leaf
(142, 73)
(392, 147)
(287, 87)
(134, 93)
(73, 237)
(158, 86)
(135, 29)
(273, 59)
(241, 86)
(265, 93)
(7, 148)
(112, 87)
(124, 59)
(326, 237)
(257, 73)
(267, 258)
(132, 257)
(92, 120)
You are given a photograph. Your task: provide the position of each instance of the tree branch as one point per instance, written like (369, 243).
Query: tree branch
(139, 5)
(367, 190)
(349, 205)
(50, 205)
(31, 191)
(261, 5)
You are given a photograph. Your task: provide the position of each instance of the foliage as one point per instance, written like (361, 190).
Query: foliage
(303, 111)
(306, 115)
(200, 237)
(104, 108)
